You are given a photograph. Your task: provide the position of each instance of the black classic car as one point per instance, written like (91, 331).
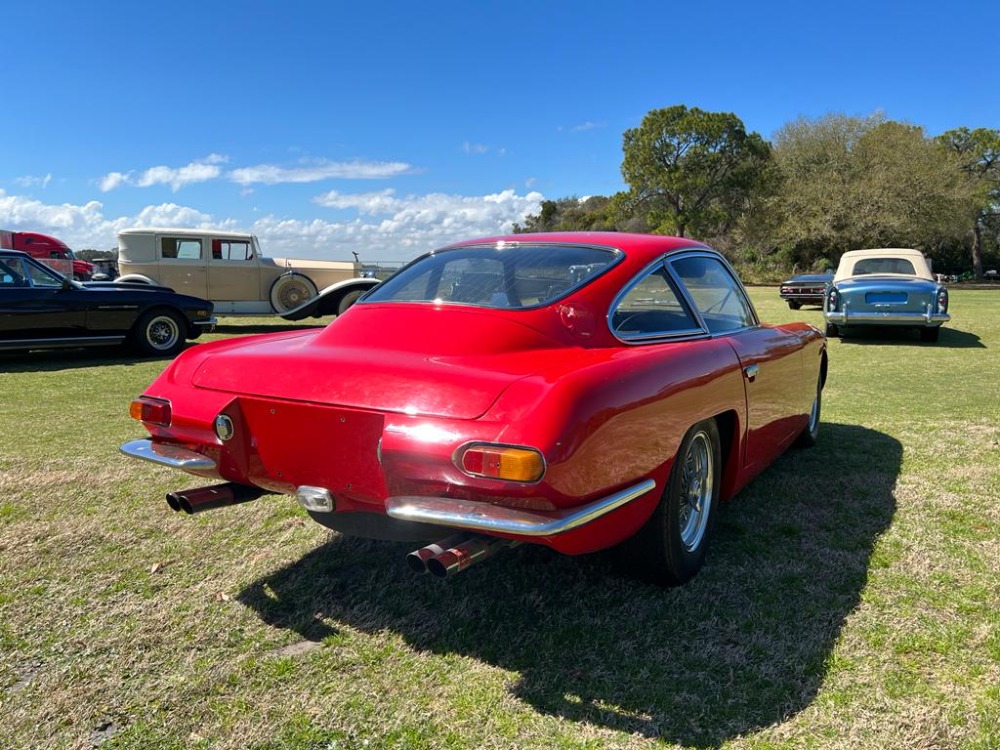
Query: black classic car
(42, 309)
(807, 289)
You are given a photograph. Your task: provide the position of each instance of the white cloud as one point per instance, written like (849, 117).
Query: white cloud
(584, 126)
(81, 226)
(27, 181)
(270, 174)
(113, 180)
(385, 227)
(202, 170)
(474, 148)
(209, 168)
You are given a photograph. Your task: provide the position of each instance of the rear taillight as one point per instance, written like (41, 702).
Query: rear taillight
(833, 300)
(511, 463)
(942, 300)
(151, 411)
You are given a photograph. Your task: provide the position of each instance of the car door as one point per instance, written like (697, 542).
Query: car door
(36, 304)
(182, 264)
(233, 271)
(770, 358)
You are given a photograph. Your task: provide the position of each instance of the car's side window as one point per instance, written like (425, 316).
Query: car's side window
(651, 308)
(181, 248)
(715, 292)
(231, 250)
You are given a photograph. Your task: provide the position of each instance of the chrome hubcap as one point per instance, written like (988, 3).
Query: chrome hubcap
(163, 333)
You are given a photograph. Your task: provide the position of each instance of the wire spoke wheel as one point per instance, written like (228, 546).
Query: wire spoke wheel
(697, 488)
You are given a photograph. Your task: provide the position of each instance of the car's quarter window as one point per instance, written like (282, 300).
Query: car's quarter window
(867, 266)
(716, 293)
(650, 307)
(507, 276)
(181, 248)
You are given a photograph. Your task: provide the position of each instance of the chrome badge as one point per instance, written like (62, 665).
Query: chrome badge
(224, 427)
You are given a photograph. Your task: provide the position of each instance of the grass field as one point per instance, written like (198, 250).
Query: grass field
(851, 598)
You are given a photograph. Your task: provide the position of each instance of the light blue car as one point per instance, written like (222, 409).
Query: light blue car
(887, 287)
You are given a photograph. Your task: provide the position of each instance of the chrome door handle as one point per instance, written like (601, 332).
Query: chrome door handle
(750, 371)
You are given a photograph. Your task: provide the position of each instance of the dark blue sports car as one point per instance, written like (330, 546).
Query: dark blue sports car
(42, 309)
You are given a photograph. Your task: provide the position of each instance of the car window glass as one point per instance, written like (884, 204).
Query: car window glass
(11, 274)
(231, 250)
(717, 295)
(499, 277)
(652, 307)
(180, 248)
(867, 266)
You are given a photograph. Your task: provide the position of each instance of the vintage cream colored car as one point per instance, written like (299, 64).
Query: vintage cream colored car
(229, 269)
(885, 287)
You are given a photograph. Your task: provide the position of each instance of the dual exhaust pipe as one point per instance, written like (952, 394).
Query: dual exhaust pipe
(441, 559)
(455, 554)
(215, 496)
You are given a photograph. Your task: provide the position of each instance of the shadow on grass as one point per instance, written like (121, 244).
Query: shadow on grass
(950, 338)
(54, 360)
(239, 330)
(742, 646)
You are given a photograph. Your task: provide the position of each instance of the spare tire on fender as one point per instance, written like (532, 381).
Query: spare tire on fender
(290, 290)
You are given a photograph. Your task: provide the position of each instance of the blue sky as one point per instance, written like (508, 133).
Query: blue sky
(392, 128)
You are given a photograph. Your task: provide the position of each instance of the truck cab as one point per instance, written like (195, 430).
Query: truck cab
(53, 252)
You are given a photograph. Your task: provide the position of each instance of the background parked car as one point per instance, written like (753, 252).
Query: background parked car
(886, 287)
(42, 309)
(229, 269)
(805, 289)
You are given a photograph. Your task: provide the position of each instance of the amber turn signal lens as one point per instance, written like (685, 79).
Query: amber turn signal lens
(150, 410)
(503, 462)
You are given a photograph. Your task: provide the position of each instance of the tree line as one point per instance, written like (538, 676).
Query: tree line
(822, 187)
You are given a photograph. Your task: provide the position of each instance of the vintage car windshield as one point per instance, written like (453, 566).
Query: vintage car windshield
(496, 276)
(866, 266)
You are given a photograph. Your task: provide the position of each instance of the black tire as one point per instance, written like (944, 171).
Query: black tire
(670, 549)
(794, 305)
(291, 290)
(159, 333)
(930, 335)
(809, 435)
(349, 299)
(832, 331)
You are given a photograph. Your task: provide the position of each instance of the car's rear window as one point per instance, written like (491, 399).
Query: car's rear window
(499, 276)
(867, 266)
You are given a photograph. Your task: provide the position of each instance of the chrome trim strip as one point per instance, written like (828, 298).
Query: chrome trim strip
(467, 514)
(68, 342)
(210, 322)
(905, 318)
(167, 454)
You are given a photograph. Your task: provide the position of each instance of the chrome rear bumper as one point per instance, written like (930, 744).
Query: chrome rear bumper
(439, 511)
(166, 454)
(487, 518)
(848, 317)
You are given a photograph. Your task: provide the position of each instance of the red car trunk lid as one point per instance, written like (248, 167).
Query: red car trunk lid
(413, 359)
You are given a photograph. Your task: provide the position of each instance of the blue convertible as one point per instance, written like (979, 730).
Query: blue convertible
(889, 287)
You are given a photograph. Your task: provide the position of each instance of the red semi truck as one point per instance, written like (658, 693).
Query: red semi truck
(49, 249)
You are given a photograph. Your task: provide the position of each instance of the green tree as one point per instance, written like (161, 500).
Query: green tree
(690, 170)
(591, 214)
(848, 183)
(979, 154)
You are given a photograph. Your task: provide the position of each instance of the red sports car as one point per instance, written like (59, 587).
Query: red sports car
(576, 390)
